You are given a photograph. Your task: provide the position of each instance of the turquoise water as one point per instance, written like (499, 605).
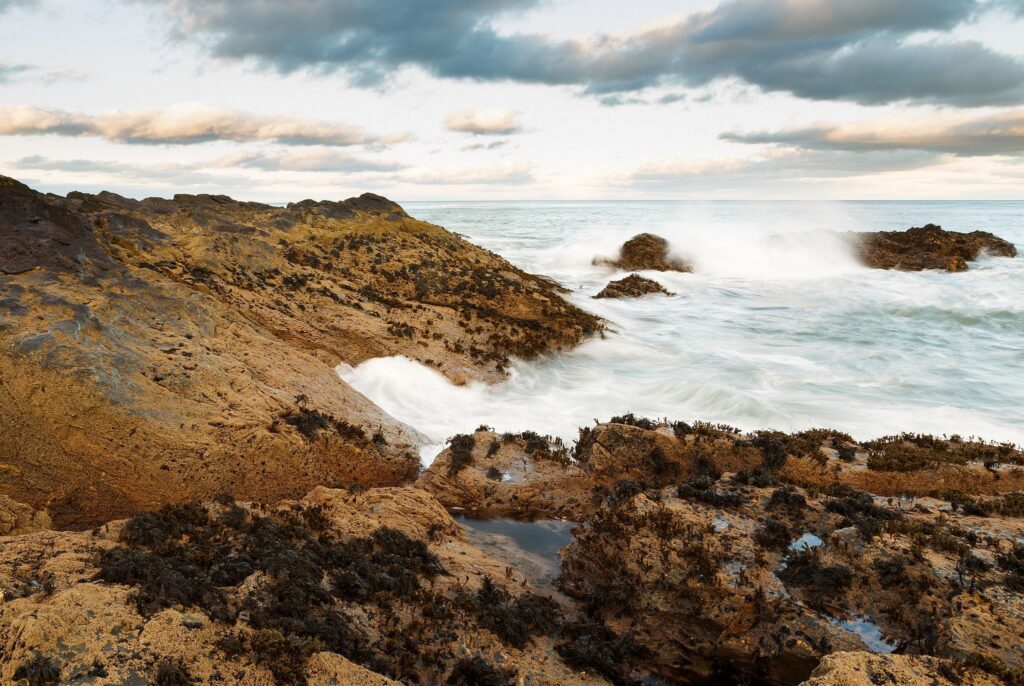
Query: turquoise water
(778, 326)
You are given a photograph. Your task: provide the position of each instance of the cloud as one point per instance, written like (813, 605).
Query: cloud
(996, 134)
(17, 72)
(495, 121)
(486, 176)
(856, 50)
(493, 145)
(774, 166)
(184, 125)
(9, 72)
(308, 161)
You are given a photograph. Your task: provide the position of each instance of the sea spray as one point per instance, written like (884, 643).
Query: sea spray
(777, 327)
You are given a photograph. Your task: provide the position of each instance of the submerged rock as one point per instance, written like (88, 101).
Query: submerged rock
(633, 286)
(647, 251)
(928, 247)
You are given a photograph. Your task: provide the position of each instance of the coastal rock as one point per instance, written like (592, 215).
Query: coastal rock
(647, 251)
(163, 350)
(721, 579)
(928, 247)
(633, 286)
(18, 518)
(865, 669)
(527, 475)
(369, 588)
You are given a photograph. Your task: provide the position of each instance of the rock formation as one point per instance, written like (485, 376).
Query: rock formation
(865, 669)
(376, 587)
(161, 350)
(927, 247)
(646, 251)
(633, 286)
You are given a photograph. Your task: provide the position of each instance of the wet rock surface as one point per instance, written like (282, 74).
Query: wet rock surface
(633, 286)
(928, 247)
(647, 251)
(161, 350)
(725, 555)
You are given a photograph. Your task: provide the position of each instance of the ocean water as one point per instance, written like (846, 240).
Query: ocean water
(778, 326)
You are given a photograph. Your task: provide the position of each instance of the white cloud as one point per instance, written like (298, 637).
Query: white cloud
(494, 121)
(185, 125)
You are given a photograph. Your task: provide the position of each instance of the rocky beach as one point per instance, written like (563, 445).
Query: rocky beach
(190, 493)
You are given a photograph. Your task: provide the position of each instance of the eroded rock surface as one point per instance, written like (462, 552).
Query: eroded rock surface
(633, 286)
(161, 350)
(647, 251)
(372, 588)
(928, 247)
(865, 669)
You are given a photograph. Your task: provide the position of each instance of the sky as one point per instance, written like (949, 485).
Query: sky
(280, 100)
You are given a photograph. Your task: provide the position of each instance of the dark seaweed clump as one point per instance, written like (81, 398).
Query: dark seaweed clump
(190, 556)
(859, 509)
(593, 646)
(703, 490)
(461, 453)
(820, 582)
(39, 671)
(514, 620)
(479, 672)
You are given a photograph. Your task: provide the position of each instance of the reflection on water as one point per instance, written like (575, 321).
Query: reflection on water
(530, 547)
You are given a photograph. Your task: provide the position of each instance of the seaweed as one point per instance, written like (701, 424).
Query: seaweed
(477, 671)
(39, 671)
(514, 620)
(172, 673)
(631, 419)
(461, 450)
(594, 647)
(821, 582)
(703, 490)
(773, 535)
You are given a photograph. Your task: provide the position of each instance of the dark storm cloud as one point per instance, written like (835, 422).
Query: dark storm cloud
(998, 134)
(818, 49)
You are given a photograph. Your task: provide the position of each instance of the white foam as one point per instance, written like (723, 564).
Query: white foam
(787, 333)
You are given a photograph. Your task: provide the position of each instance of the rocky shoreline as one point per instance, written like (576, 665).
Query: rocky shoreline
(190, 495)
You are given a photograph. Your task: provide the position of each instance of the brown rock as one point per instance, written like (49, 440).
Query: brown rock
(647, 251)
(419, 632)
(928, 247)
(633, 286)
(162, 350)
(17, 518)
(865, 669)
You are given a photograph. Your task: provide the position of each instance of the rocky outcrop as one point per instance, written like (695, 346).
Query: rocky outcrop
(531, 476)
(18, 518)
(927, 247)
(161, 350)
(633, 286)
(697, 541)
(374, 588)
(646, 251)
(865, 669)
(721, 579)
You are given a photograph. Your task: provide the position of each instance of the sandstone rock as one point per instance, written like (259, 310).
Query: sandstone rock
(928, 247)
(17, 518)
(162, 350)
(275, 616)
(865, 669)
(647, 251)
(633, 286)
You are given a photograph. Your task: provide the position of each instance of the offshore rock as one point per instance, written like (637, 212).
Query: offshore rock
(633, 286)
(927, 247)
(647, 251)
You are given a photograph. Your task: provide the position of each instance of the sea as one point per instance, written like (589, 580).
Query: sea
(777, 327)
